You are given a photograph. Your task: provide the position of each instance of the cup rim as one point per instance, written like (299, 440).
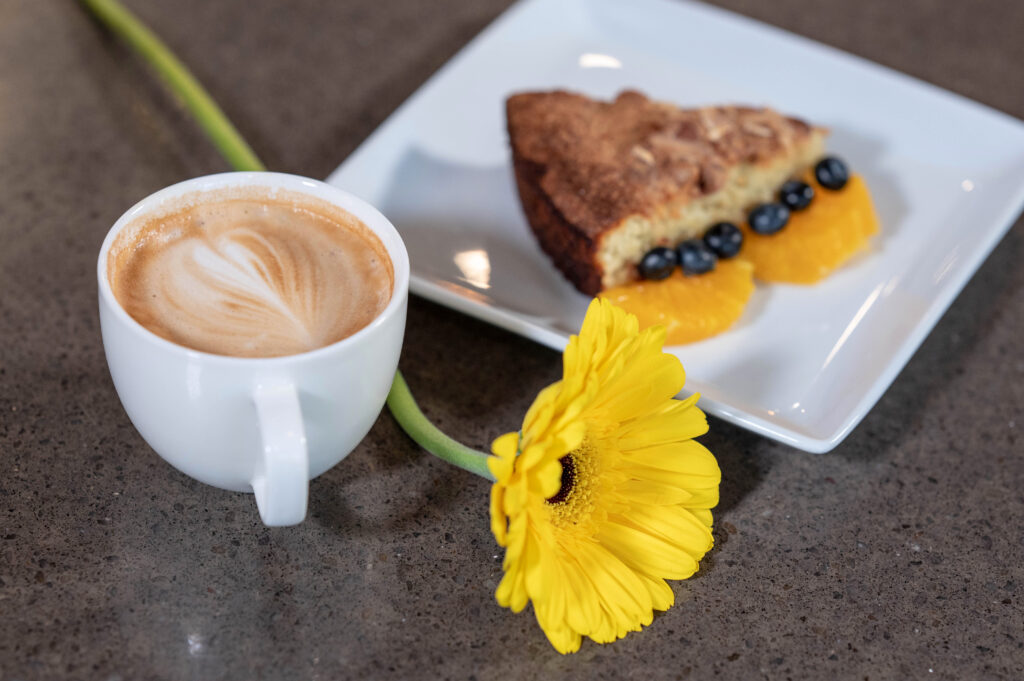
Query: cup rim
(374, 220)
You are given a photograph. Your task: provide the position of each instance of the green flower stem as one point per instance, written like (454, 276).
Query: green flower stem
(241, 157)
(182, 83)
(419, 428)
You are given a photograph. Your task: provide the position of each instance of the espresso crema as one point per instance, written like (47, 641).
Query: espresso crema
(250, 274)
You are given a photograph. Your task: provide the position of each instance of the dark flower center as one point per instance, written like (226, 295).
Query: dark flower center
(568, 480)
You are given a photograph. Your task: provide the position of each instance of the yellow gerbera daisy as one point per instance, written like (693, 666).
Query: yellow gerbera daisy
(603, 494)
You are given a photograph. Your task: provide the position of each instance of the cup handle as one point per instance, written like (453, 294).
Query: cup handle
(282, 486)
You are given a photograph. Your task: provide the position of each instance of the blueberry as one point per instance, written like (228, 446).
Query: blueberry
(724, 239)
(796, 195)
(768, 218)
(696, 257)
(657, 263)
(831, 173)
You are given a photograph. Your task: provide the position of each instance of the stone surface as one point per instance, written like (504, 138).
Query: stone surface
(899, 555)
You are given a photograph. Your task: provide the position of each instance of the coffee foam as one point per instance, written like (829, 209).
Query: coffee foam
(250, 273)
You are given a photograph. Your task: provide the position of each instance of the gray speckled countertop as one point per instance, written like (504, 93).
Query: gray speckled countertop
(899, 555)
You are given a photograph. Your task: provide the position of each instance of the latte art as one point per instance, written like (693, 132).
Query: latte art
(252, 277)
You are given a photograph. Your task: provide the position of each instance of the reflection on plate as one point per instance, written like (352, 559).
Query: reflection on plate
(804, 364)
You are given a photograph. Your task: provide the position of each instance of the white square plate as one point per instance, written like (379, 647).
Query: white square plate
(804, 364)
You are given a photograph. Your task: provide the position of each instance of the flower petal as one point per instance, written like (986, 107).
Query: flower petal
(548, 478)
(687, 457)
(662, 597)
(680, 420)
(561, 636)
(540, 413)
(499, 521)
(586, 611)
(652, 492)
(622, 595)
(647, 552)
(702, 515)
(506, 446)
(643, 385)
(672, 524)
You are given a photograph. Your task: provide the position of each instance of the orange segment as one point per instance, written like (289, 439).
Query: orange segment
(817, 240)
(690, 308)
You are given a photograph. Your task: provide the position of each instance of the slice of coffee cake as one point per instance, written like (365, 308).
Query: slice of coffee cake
(602, 183)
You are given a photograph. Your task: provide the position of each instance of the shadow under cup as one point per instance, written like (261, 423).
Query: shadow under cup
(268, 424)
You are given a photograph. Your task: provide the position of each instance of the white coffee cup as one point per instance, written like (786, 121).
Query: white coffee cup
(262, 425)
